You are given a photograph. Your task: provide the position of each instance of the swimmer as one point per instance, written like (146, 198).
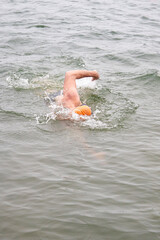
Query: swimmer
(70, 98)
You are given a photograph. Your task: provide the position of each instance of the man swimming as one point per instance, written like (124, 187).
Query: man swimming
(70, 98)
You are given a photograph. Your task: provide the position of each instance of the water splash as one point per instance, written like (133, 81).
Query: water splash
(110, 110)
(22, 82)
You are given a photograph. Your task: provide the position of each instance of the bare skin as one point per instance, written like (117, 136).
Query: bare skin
(70, 98)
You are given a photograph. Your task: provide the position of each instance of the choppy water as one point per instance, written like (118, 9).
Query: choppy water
(69, 179)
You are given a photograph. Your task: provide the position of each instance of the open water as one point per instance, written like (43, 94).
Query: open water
(95, 179)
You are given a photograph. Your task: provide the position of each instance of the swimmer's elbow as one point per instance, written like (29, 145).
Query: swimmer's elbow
(73, 74)
(69, 74)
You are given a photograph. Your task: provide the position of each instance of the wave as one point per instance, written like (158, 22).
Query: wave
(12, 113)
(20, 82)
(150, 77)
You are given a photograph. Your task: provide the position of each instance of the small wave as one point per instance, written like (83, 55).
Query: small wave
(21, 82)
(41, 26)
(95, 124)
(148, 77)
(12, 113)
(71, 61)
(18, 83)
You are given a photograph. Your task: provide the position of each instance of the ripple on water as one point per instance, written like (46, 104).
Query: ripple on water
(21, 81)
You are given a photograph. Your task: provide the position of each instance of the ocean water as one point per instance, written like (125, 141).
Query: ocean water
(96, 178)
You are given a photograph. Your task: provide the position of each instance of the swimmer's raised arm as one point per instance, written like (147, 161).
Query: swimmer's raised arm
(71, 76)
(77, 74)
(71, 97)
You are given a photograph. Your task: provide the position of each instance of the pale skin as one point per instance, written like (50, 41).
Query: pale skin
(70, 98)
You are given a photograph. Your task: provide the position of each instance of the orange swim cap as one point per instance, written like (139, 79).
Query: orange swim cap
(83, 110)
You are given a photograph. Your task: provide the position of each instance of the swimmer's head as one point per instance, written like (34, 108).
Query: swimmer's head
(83, 110)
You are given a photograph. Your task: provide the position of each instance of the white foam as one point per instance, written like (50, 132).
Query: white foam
(18, 82)
(94, 124)
(86, 83)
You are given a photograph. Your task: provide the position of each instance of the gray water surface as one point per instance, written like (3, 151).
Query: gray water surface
(68, 179)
